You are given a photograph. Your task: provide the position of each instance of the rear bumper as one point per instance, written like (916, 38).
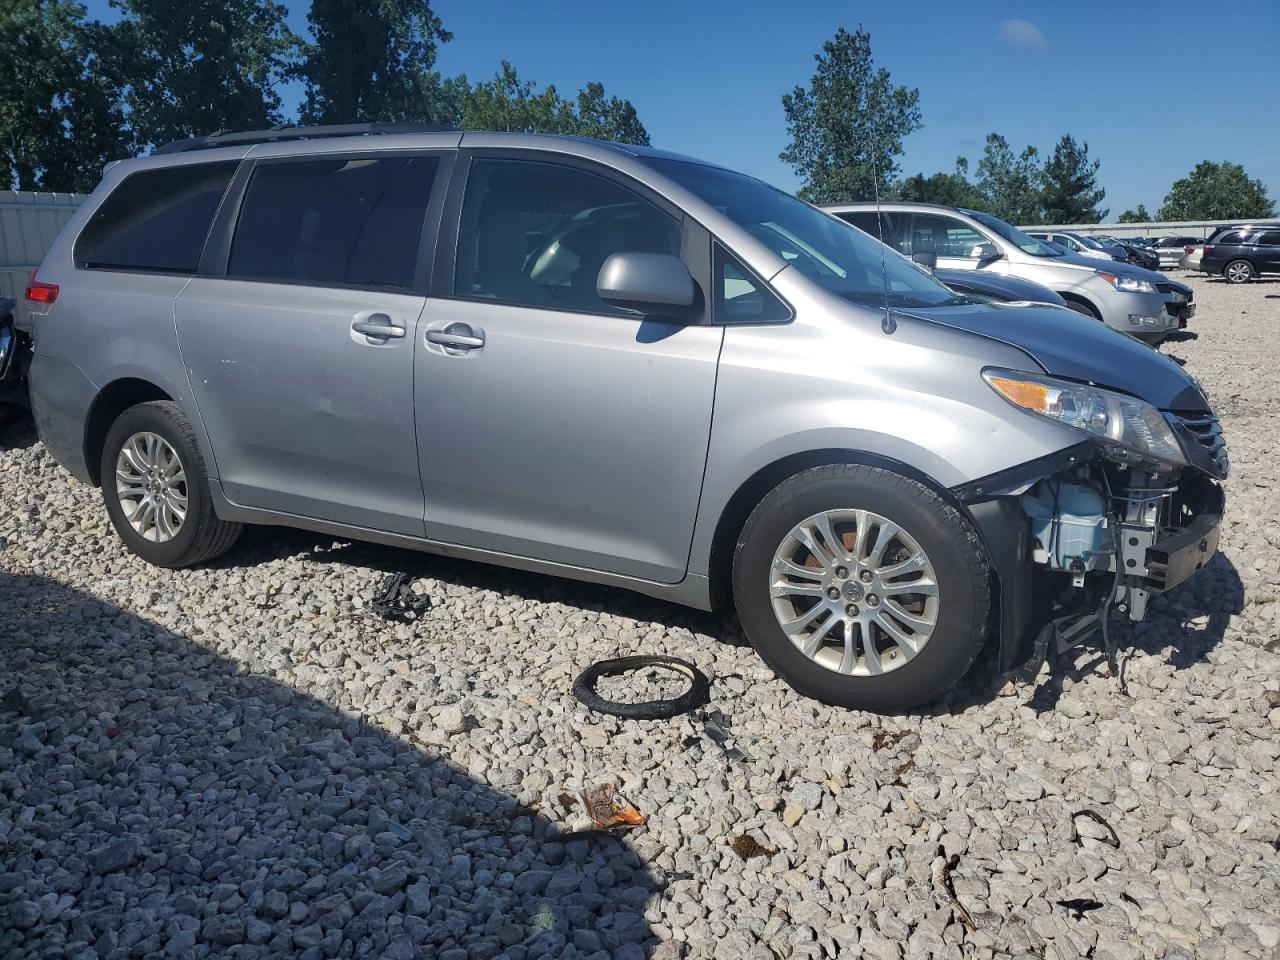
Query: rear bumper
(61, 396)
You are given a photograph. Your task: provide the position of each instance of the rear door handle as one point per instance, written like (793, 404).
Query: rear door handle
(379, 327)
(456, 336)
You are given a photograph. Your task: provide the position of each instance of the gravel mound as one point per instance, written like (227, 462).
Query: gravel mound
(241, 761)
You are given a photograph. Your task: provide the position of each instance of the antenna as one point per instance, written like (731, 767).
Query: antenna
(887, 324)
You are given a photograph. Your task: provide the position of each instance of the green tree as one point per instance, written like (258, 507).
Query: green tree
(846, 129)
(1009, 183)
(1069, 190)
(59, 118)
(1138, 215)
(1217, 191)
(196, 66)
(372, 60)
(510, 104)
(949, 189)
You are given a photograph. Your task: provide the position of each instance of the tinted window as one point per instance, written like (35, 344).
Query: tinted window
(889, 226)
(741, 297)
(537, 234)
(945, 236)
(865, 220)
(352, 222)
(156, 220)
(1271, 238)
(1231, 236)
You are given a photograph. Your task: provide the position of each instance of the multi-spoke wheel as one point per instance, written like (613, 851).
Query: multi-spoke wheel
(854, 592)
(1238, 271)
(152, 487)
(862, 587)
(156, 490)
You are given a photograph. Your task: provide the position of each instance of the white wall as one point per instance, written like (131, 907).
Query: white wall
(28, 224)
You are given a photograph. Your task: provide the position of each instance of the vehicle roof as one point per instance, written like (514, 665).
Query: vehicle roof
(554, 142)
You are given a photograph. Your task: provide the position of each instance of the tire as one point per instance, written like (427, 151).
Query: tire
(1084, 309)
(955, 558)
(201, 535)
(1238, 271)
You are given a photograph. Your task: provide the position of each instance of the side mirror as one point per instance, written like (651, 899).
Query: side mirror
(985, 251)
(927, 259)
(654, 284)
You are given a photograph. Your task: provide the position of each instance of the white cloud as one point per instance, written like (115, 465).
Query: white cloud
(1023, 33)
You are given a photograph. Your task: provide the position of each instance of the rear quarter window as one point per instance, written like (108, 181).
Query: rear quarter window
(1233, 236)
(156, 220)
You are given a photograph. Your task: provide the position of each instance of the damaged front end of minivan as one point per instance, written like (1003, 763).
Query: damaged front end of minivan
(1093, 531)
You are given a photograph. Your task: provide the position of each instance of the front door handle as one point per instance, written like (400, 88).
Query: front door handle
(456, 336)
(379, 327)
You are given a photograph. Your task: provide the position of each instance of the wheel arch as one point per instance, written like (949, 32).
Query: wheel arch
(112, 400)
(744, 499)
(1071, 297)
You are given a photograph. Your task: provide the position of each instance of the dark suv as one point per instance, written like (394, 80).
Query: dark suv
(1242, 253)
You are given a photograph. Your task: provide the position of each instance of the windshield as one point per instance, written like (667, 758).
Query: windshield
(1037, 248)
(833, 254)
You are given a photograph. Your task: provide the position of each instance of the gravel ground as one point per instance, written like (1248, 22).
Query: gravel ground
(237, 761)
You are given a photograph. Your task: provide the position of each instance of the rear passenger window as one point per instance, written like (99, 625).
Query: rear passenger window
(1271, 238)
(155, 220)
(350, 222)
(1234, 236)
(537, 234)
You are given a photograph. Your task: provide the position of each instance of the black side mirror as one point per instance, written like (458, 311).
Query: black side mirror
(927, 259)
(654, 284)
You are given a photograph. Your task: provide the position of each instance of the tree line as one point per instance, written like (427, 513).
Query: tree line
(76, 93)
(845, 138)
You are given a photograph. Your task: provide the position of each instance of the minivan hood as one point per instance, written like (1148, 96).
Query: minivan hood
(1070, 345)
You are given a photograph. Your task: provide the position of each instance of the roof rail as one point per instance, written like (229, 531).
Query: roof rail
(224, 138)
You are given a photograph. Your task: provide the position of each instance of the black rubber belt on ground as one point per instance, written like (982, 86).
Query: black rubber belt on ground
(584, 688)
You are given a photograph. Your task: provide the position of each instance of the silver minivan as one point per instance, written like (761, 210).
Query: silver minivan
(1139, 302)
(620, 365)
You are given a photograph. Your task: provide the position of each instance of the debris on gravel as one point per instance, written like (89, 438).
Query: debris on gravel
(225, 762)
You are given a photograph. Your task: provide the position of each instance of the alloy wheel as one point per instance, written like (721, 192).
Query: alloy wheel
(854, 592)
(151, 485)
(1239, 272)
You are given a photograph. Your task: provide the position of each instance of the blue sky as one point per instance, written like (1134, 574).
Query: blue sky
(1136, 81)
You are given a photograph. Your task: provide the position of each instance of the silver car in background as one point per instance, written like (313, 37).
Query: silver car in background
(1139, 302)
(619, 365)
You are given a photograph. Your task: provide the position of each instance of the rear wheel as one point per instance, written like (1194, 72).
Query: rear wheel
(156, 489)
(1238, 271)
(862, 588)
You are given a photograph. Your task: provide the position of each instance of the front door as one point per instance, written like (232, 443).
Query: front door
(301, 357)
(951, 239)
(550, 424)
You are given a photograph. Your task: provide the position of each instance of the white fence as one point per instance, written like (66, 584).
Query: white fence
(28, 224)
(1187, 228)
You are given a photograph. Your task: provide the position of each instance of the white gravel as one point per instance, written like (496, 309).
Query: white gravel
(233, 761)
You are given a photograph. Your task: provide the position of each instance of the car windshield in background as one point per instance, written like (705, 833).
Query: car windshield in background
(833, 254)
(1037, 248)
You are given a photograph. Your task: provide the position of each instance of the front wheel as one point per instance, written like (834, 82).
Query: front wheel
(156, 489)
(862, 588)
(1238, 271)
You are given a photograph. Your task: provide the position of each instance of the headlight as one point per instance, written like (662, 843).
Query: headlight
(1119, 422)
(1127, 284)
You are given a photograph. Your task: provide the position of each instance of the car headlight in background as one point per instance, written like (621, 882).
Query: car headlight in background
(1127, 284)
(1118, 421)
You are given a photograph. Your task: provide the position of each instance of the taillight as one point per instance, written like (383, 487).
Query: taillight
(40, 292)
(1208, 247)
(1188, 249)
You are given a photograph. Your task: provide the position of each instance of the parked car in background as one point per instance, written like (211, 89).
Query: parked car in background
(1138, 256)
(1078, 244)
(989, 287)
(1139, 302)
(1241, 254)
(1170, 249)
(1191, 256)
(508, 347)
(15, 356)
